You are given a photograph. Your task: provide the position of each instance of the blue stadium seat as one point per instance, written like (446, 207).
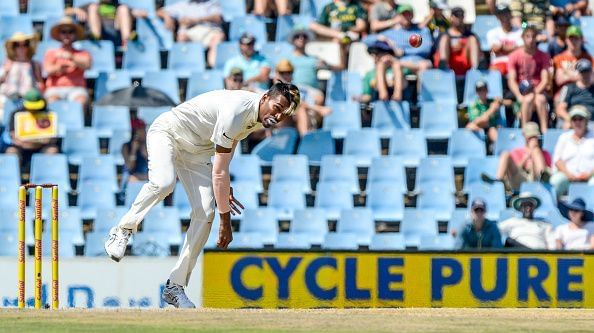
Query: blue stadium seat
(117, 140)
(544, 193)
(147, 5)
(459, 219)
(582, 190)
(8, 244)
(40, 10)
(409, 146)
(98, 169)
(493, 195)
(46, 202)
(341, 241)
(151, 244)
(438, 86)
(110, 82)
(340, 168)
(315, 145)
(438, 199)
(388, 241)
(10, 171)
(11, 24)
(131, 191)
(80, 3)
(248, 23)
(185, 58)
(8, 195)
(508, 139)
(549, 139)
(491, 77)
(343, 86)
(69, 222)
(246, 169)
(481, 26)
(226, 51)
(201, 82)
(464, 145)
(50, 168)
(95, 196)
(385, 199)
(387, 169)
(282, 142)
(345, 116)
(79, 143)
(587, 23)
(359, 221)
(165, 81)
(363, 145)
(42, 48)
(107, 119)
(440, 242)
(333, 197)
(439, 119)
(149, 113)
(293, 168)
(390, 116)
(247, 240)
(285, 197)
(95, 243)
(276, 51)
(263, 221)
(435, 170)
(417, 223)
(102, 53)
(9, 8)
(166, 220)
(286, 23)
(310, 222)
(312, 7)
(70, 115)
(65, 245)
(232, 9)
(292, 241)
(108, 218)
(477, 166)
(141, 57)
(246, 193)
(153, 30)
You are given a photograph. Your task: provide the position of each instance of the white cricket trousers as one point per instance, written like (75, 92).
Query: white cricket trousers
(166, 157)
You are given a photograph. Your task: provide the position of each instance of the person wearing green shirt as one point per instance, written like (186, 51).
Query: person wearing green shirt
(341, 20)
(385, 81)
(483, 114)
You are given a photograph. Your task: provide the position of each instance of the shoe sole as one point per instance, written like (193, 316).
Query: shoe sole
(116, 259)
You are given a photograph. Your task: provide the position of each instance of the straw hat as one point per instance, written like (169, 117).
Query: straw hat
(20, 37)
(67, 22)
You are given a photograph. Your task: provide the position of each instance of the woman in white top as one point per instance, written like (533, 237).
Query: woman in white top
(578, 234)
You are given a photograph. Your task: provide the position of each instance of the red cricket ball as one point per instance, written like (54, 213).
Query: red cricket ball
(415, 40)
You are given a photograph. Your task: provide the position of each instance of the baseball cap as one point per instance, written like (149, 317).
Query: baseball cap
(574, 31)
(480, 84)
(530, 130)
(380, 46)
(405, 8)
(247, 38)
(33, 100)
(236, 71)
(501, 8)
(284, 65)
(478, 203)
(579, 111)
(583, 65)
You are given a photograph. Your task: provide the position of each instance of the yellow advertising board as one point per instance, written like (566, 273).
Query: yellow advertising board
(374, 279)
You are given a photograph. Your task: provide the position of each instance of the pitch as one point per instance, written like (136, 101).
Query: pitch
(330, 320)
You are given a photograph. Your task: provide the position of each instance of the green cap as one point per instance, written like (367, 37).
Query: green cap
(33, 100)
(405, 8)
(574, 31)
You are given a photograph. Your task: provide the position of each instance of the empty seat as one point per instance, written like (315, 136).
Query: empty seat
(9, 8)
(11, 24)
(340, 168)
(385, 200)
(246, 193)
(493, 195)
(478, 166)
(102, 53)
(8, 243)
(345, 116)
(107, 119)
(276, 51)
(294, 168)
(246, 169)
(153, 30)
(285, 197)
(439, 119)
(117, 140)
(508, 139)
(439, 242)
(98, 169)
(70, 115)
(387, 169)
(310, 222)
(226, 51)
(262, 221)
(95, 196)
(459, 219)
(65, 245)
(248, 23)
(247, 240)
(315, 145)
(282, 142)
(341, 241)
(389, 241)
(435, 171)
(438, 86)
(8, 195)
(110, 82)
(141, 57)
(481, 26)
(363, 145)
(164, 81)
(464, 145)
(185, 58)
(50, 168)
(439, 200)
(10, 171)
(286, 23)
(107, 218)
(165, 220)
(291, 241)
(333, 197)
(390, 116)
(201, 82)
(69, 221)
(80, 143)
(409, 146)
(358, 221)
(95, 243)
(416, 223)
(149, 113)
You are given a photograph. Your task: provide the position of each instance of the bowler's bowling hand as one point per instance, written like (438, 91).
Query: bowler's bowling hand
(225, 232)
(234, 203)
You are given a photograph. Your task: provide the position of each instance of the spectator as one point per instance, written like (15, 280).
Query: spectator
(525, 231)
(256, 69)
(436, 20)
(234, 81)
(199, 21)
(574, 152)
(384, 82)
(578, 234)
(457, 48)
(564, 63)
(483, 114)
(65, 66)
(340, 20)
(267, 7)
(135, 153)
(571, 8)
(522, 164)
(503, 40)
(20, 72)
(25, 147)
(305, 74)
(557, 41)
(580, 92)
(528, 78)
(533, 12)
(111, 20)
(383, 16)
(481, 232)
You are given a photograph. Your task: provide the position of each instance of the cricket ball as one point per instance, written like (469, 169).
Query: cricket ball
(415, 40)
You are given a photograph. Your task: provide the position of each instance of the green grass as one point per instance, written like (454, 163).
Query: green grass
(354, 320)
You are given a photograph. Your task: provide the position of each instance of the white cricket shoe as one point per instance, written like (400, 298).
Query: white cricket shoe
(115, 246)
(175, 295)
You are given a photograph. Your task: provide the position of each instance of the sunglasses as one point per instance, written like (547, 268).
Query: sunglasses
(578, 119)
(299, 36)
(285, 73)
(67, 32)
(479, 210)
(17, 45)
(238, 80)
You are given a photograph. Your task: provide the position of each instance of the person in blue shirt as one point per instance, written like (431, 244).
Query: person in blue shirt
(255, 67)
(480, 233)
(305, 74)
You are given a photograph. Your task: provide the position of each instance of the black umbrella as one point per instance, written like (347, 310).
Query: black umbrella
(136, 96)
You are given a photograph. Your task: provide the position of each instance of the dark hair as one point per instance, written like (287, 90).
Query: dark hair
(530, 27)
(289, 91)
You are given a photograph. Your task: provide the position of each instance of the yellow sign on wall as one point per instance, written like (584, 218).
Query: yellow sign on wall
(341, 280)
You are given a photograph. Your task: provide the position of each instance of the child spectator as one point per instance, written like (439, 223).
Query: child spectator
(564, 63)
(483, 114)
(436, 20)
(385, 81)
(557, 41)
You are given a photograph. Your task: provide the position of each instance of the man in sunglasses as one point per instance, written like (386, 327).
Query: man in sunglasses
(580, 92)
(255, 67)
(481, 232)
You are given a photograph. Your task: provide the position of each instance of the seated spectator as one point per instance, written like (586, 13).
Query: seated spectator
(384, 82)
(436, 20)
(523, 164)
(580, 92)
(20, 73)
(564, 63)
(557, 41)
(305, 74)
(480, 233)
(23, 147)
(578, 234)
(574, 152)
(256, 69)
(534, 13)
(571, 8)
(65, 66)
(483, 114)
(525, 231)
(135, 153)
(457, 48)
(528, 79)
(268, 7)
(199, 21)
(383, 16)
(234, 81)
(341, 20)
(503, 40)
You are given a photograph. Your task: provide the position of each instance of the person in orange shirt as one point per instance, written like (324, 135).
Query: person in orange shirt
(65, 66)
(564, 63)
